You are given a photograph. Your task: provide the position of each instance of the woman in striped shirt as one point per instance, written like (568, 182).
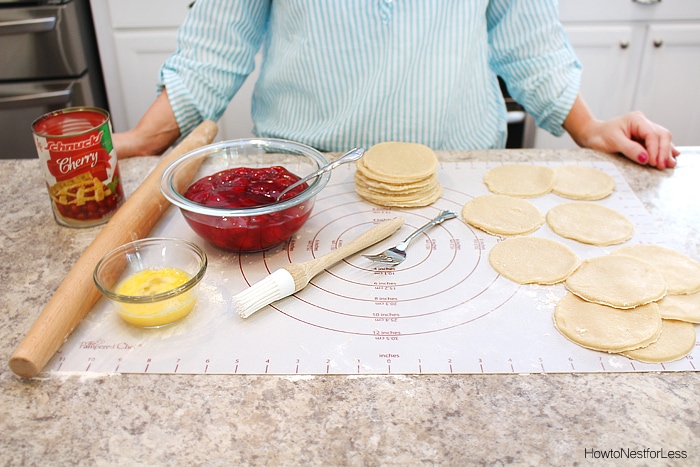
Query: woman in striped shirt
(343, 73)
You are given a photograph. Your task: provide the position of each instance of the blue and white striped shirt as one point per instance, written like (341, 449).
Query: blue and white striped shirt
(343, 73)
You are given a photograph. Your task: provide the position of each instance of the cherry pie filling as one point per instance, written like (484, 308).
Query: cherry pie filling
(245, 187)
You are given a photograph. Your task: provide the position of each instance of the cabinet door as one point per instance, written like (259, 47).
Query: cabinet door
(668, 91)
(610, 55)
(140, 55)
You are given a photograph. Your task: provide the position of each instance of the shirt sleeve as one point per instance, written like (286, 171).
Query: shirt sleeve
(531, 52)
(216, 47)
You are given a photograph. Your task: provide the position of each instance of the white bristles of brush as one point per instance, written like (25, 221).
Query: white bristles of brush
(274, 287)
(294, 277)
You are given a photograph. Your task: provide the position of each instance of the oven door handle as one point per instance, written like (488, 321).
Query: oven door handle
(39, 99)
(27, 26)
(515, 116)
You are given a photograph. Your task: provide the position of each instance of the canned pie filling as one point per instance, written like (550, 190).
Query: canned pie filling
(79, 164)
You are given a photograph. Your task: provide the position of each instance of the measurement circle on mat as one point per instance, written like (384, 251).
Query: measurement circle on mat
(448, 262)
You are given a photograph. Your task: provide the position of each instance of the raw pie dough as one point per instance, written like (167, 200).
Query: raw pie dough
(681, 272)
(502, 215)
(677, 340)
(618, 281)
(520, 180)
(681, 307)
(590, 223)
(604, 328)
(533, 260)
(581, 182)
(396, 174)
(398, 162)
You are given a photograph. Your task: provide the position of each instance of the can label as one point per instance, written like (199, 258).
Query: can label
(79, 164)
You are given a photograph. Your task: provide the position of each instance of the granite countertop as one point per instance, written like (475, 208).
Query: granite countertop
(534, 419)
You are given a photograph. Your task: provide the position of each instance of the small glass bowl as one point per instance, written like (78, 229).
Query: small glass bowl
(245, 229)
(138, 279)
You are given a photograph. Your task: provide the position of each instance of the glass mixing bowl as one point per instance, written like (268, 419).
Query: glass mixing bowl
(246, 229)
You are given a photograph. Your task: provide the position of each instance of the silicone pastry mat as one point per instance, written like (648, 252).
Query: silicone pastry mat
(444, 310)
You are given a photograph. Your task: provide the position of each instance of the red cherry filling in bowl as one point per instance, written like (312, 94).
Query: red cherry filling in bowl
(245, 187)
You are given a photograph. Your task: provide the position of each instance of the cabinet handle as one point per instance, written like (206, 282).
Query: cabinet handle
(49, 98)
(624, 44)
(27, 26)
(646, 2)
(658, 43)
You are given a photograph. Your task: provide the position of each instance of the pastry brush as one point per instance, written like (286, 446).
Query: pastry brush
(294, 277)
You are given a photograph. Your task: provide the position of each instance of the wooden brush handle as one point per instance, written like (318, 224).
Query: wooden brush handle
(77, 294)
(304, 272)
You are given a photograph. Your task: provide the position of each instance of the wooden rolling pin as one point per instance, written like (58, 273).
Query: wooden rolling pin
(77, 294)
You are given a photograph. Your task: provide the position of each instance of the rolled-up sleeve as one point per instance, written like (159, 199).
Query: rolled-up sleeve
(531, 52)
(216, 47)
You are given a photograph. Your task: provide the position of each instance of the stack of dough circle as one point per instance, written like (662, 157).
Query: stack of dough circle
(396, 174)
(618, 281)
(533, 260)
(604, 328)
(581, 182)
(520, 180)
(590, 223)
(502, 215)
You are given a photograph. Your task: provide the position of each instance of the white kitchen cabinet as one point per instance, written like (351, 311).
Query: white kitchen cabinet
(135, 37)
(636, 56)
(667, 89)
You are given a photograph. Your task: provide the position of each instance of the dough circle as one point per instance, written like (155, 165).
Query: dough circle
(590, 223)
(618, 281)
(681, 272)
(581, 182)
(533, 260)
(604, 328)
(681, 307)
(502, 215)
(520, 180)
(677, 340)
(399, 162)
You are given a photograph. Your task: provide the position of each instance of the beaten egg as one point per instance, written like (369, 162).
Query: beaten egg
(151, 282)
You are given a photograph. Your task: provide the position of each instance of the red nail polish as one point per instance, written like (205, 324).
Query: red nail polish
(643, 158)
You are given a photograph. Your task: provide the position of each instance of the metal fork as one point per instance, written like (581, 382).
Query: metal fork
(396, 255)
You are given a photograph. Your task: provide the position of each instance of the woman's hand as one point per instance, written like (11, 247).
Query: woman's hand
(633, 135)
(153, 135)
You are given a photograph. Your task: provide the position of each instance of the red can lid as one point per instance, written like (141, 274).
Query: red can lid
(69, 122)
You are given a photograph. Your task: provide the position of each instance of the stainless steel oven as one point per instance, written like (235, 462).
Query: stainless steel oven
(48, 60)
(521, 125)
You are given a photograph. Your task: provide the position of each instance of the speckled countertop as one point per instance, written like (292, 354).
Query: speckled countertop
(551, 419)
